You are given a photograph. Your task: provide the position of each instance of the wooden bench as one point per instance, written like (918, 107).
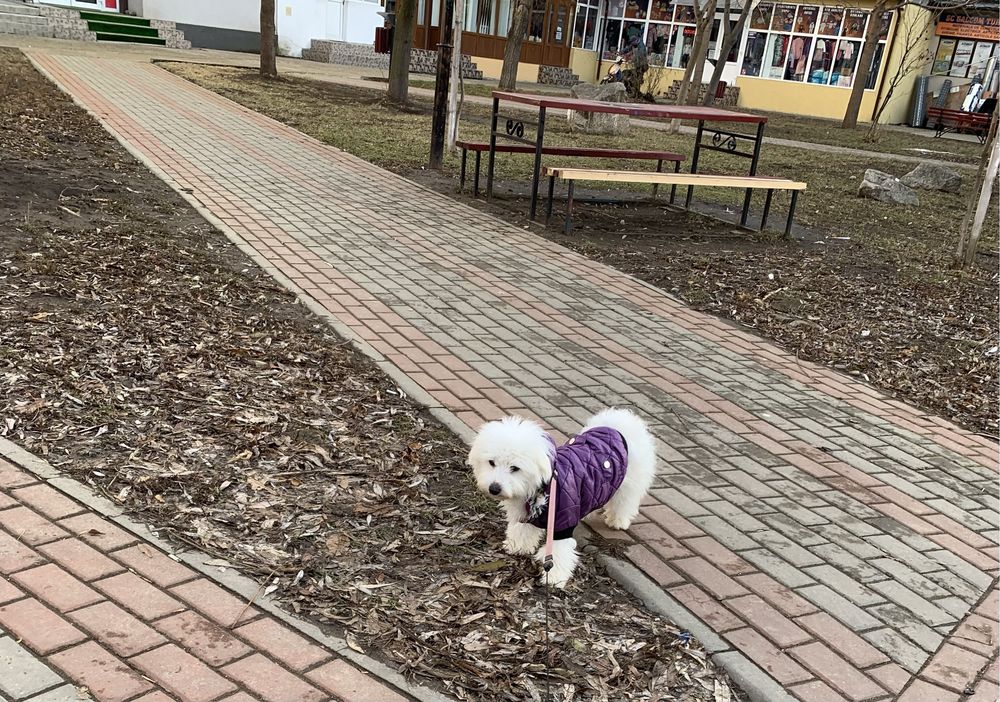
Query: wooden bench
(583, 152)
(944, 121)
(571, 175)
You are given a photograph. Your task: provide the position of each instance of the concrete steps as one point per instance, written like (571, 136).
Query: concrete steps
(81, 25)
(557, 75)
(24, 20)
(364, 55)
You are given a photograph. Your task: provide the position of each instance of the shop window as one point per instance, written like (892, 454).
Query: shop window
(585, 28)
(809, 43)
(503, 17)
(753, 59)
(536, 27)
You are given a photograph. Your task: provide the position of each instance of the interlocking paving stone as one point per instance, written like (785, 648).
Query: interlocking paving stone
(21, 674)
(807, 476)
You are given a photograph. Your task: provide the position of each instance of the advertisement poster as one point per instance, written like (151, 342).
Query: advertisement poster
(784, 18)
(854, 25)
(830, 25)
(979, 58)
(963, 57)
(761, 17)
(806, 21)
(942, 59)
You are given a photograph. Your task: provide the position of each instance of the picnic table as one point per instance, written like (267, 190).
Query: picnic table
(514, 127)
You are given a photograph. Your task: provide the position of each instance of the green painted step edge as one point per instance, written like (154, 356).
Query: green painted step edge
(111, 17)
(111, 36)
(128, 29)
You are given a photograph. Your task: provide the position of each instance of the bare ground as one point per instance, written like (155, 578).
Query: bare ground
(145, 355)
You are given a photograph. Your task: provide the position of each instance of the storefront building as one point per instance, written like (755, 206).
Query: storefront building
(962, 46)
(800, 58)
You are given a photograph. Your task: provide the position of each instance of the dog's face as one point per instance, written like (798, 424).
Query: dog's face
(511, 458)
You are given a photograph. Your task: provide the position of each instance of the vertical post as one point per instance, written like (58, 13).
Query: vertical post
(659, 169)
(493, 149)
(791, 213)
(745, 213)
(673, 188)
(568, 224)
(456, 74)
(461, 177)
(538, 160)
(694, 161)
(552, 192)
(767, 209)
(440, 119)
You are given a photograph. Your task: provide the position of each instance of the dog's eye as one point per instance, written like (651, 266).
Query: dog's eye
(493, 464)
(514, 469)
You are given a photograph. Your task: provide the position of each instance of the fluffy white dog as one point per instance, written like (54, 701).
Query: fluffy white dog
(610, 464)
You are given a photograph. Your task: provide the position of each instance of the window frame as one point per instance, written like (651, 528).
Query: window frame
(847, 33)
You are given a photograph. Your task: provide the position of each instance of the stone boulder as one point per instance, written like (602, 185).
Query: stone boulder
(886, 188)
(933, 176)
(599, 122)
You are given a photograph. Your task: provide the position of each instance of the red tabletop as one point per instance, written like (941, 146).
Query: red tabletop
(633, 109)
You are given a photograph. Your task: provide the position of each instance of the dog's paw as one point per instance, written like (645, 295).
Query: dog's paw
(518, 547)
(556, 578)
(522, 539)
(617, 521)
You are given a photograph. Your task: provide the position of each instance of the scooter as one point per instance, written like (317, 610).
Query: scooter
(614, 73)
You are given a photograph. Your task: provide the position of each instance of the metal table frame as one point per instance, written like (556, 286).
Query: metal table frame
(512, 127)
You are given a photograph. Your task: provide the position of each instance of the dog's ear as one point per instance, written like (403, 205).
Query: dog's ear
(543, 463)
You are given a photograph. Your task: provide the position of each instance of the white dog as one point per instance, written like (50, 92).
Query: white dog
(610, 464)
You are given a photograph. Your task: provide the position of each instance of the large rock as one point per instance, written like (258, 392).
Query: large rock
(933, 176)
(600, 122)
(886, 188)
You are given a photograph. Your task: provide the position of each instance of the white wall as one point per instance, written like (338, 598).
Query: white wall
(361, 20)
(228, 14)
(298, 21)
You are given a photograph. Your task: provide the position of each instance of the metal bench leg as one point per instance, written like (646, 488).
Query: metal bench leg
(745, 212)
(673, 188)
(659, 169)
(791, 213)
(461, 177)
(552, 187)
(568, 225)
(767, 209)
(475, 188)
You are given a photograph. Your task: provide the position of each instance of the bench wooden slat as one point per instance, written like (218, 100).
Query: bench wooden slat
(723, 181)
(581, 151)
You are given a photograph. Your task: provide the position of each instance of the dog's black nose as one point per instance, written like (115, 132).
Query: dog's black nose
(495, 488)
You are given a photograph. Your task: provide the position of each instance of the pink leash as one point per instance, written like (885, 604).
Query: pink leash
(550, 529)
(550, 532)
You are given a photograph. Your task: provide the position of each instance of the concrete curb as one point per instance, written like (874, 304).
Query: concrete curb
(760, 686)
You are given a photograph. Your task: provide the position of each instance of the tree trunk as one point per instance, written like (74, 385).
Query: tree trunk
(512, 51)
(399, 59)
(700, 38)
(978, 200)
(864, 65)
(456, 75)
(730, 39)
(268, 40)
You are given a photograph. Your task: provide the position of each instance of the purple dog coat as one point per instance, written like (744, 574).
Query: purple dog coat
(588, 469)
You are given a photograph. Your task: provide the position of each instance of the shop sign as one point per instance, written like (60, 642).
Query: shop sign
(965, 27)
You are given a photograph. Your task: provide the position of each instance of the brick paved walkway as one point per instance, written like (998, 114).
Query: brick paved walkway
(86, 604)
(843, 542)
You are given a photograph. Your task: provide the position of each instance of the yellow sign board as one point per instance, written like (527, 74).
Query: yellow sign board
(965, 27)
